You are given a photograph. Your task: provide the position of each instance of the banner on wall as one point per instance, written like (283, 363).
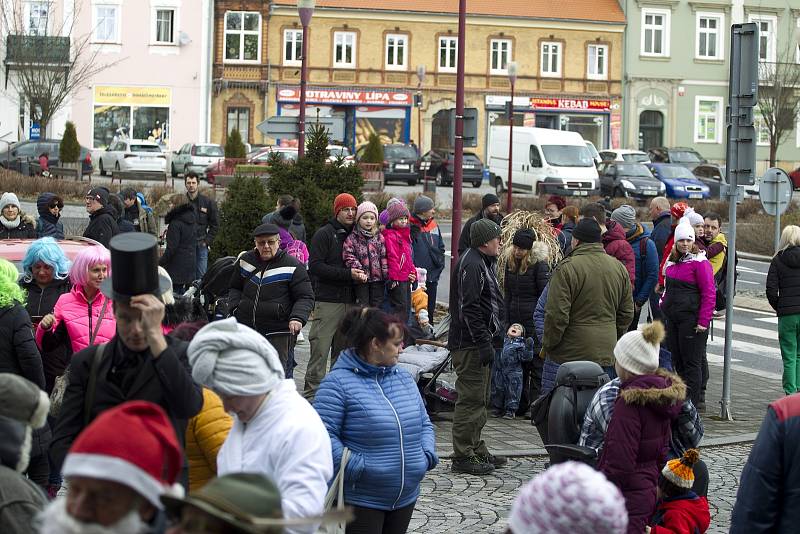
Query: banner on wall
(577, 104)
(346, 96)
(131, 95)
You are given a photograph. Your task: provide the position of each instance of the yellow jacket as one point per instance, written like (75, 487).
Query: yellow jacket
(719, 260)
(205, 434)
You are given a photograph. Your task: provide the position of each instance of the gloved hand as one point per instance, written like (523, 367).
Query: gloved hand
(529, 343)
(486, 353)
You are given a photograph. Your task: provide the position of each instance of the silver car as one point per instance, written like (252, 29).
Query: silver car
(195, 157)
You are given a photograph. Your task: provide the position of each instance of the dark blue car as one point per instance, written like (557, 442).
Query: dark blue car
(679, 181)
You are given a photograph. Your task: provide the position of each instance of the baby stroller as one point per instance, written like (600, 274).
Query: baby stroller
(212, 289)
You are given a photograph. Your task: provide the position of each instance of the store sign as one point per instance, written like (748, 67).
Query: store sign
(341, 96)
(137, 96)
(35, 131)
(573, 104)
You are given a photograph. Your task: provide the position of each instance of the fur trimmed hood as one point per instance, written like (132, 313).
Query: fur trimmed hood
(540, 252)
(661, 389)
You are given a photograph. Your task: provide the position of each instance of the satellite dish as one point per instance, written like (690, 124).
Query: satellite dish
(184, 39)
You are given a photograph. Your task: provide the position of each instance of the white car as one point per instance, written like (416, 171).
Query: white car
(626, 155)
(131, 155)
(334, 151)
(195, 157)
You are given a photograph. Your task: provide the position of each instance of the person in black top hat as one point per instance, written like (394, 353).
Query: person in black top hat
(271, 292)
(139, 363)
(102, 221)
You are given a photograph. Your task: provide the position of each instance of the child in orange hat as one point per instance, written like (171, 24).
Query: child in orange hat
(680, 510)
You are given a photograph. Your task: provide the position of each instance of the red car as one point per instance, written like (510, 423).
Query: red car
(795, 176)
(261, 157)
(14, 250)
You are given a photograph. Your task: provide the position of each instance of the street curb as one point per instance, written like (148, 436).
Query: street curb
(754, 257)
(729, 440)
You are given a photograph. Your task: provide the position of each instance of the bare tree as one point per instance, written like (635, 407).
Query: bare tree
(49, 61)
(779, 98)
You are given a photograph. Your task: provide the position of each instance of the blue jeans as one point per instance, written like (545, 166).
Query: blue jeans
(202, 260)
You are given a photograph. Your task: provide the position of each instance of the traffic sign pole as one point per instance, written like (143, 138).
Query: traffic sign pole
(775, 194)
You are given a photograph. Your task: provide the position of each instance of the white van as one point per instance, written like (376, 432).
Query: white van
(544, 162)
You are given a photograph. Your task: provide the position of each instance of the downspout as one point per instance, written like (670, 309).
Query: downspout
(625, 83)
(206, 70)
(270, 8)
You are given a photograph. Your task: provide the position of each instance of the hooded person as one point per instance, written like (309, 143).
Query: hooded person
(130, 456)
(49, 206)
(23, 406)
(568, 498)
(14, 224)
(275, 431)
(641, 427)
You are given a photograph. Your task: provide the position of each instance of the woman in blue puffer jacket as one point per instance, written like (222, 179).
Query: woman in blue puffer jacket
(374, 408)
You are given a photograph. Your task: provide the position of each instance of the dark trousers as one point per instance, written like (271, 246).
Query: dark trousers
(687, 348)
(370, 294)
(473, 381)
(655, 310)
(372, 521)
(430, 289)
(284, 346)
(531, 383)
(400, 299)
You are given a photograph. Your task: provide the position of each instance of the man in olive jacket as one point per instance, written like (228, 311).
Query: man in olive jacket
(589, 304)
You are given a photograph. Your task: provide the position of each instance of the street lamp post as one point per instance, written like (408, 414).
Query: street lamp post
(306, 10)
(421, 77)
(512, 77)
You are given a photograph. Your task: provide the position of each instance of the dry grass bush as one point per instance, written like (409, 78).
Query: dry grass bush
(29, 187)
(542, 232)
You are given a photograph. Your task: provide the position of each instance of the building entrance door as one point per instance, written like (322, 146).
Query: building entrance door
(651, 129)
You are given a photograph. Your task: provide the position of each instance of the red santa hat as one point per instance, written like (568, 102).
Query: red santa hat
(132, 444)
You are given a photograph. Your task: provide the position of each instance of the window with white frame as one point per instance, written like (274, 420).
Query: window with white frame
(106, 27)
(655, 32)
(344, 50)
(164, 25)
(500, 55)
(762, 130)
(242, 36)
(767, 39)
(709, 35)
(448, 47)
(597, 58)
(707, 119)
(550, 59)
(37, 14)
(292, 47)
(396, 51)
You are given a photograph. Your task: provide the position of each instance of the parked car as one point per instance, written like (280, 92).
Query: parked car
(621, 179)
(679, 181)
(624, 154)
(400, 164)
(337, 151)
(132, 155)
(440, 164)
(688, 157)
(795, 177)
(712, 176)
(14, 250)
(195, 158)
(17, 156)
(226, 167)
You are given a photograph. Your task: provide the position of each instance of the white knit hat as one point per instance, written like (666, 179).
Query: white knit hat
(8, 199)
(637, 351)
(569, 498)
(684, 230)
(692, 216)
(234, 359)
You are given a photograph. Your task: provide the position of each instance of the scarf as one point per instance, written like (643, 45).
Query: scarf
(10, 224)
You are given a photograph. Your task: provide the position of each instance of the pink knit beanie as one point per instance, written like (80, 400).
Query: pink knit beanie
(396, 211)
(366, 207)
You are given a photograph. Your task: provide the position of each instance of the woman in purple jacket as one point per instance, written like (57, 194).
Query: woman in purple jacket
(687, 305)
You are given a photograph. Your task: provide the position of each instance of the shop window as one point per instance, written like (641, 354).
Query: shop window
(37, 12)
(708, 119)
(292, 47)
(165, 26)
(344, 50)
(239, 118)
(242, 36)
(709, 36)
(766, 37)
(500, 56)
(114, 124)
(655, 32)
(396, 52)
(551, 59)
(597, 56)
(448, 47)
(106, 27)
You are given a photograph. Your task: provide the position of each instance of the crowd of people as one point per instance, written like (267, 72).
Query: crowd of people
(135, 394)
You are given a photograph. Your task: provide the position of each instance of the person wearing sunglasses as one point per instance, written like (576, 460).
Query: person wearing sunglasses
(50, 207)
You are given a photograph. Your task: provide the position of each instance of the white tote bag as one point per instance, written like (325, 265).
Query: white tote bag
(336, 495)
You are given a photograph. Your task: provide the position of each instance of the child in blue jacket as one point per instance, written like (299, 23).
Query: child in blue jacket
(507, 372)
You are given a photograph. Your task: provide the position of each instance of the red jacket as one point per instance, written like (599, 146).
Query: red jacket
(398, 253)
(687, 514)
(665, 257)
(615, 244)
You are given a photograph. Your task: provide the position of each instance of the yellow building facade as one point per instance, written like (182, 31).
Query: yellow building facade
(363, 68)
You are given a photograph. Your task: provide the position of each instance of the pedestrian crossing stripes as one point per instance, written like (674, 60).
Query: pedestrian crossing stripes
(755, 349)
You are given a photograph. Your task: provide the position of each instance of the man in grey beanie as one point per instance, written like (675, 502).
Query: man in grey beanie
(428, 246)
(476, 315)
(645, 255)
(490, 209)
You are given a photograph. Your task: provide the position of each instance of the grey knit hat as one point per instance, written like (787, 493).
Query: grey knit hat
(482, 231)
(624, 215)
(422, 204)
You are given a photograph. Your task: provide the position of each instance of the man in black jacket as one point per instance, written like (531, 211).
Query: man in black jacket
(207, 223)
(490, 209)
(271, 292)
(102, 222)
(333, 290)
(476, 329)
(139, 363)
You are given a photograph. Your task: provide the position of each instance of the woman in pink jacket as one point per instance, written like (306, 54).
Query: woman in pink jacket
(402, 272)
(84, 316)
